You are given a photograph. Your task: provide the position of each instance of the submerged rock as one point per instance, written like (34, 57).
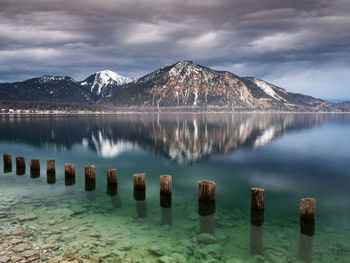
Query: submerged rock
(4, 259)
(49, 246)
(206, 238)
(156, 251)
(165, 259)
(27, 217)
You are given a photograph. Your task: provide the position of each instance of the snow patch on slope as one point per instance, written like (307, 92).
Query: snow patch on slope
(267, 88)
(105, 78)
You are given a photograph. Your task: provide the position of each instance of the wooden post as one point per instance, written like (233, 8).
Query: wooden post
(165, 184)
(206, 191)
(257, 198)
(112, 177)
(206, 208)
(20, 165)
(90, 185)
(35, 164)
(51, 178)
(69, 170)
(165, 200)
(308, 208)
(90, 172)
(69, 180)
(139, 181)
(7, 159)
(7, 162)
(51, 166)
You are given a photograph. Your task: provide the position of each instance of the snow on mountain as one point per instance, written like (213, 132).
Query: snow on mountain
(267, 88)
(103, 82)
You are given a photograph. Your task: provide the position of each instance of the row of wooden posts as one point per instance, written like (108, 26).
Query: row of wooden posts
(206, 189)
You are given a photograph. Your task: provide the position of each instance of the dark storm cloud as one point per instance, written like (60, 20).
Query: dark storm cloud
(286, 42)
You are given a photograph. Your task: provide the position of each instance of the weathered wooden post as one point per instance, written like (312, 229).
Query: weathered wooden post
(308, 208)
(307, 216)
(206, 191)
(257, 198)
(69, 170)
(206, 206)
(51, 171)
(165, 190)
(90, 172)
(139, 186)
(139, 181)
(7, 162)
(307, 228)
(34, 168)
(257, 205)
(90, 178)
(69, 174)
(112, 178)
(165, 184)
(35, 164)
(140, 194)
(51, 166)
(112, 182)
(20, 165)
(112, 189)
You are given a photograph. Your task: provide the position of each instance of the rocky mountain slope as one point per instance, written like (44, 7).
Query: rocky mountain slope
(186, 85)
(104, 82)
(47, 89)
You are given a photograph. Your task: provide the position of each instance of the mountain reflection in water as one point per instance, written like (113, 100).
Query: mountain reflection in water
(184, 138)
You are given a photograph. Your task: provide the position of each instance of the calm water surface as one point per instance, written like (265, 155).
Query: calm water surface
(290, 155)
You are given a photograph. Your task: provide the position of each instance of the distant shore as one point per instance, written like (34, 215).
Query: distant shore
(168, 112)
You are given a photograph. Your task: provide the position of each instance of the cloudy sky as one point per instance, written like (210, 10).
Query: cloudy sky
(303, 46)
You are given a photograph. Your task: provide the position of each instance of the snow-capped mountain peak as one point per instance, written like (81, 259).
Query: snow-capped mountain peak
(103, 82)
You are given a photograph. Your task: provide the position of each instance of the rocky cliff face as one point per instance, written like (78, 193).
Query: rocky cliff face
(186, 85)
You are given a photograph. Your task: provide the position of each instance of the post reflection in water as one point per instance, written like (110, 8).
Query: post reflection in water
(306, 239)
(141, 205)
(165, 204)
(90, 186)
(206, 211)
(112, 191)
(69, 189)
(256, 231)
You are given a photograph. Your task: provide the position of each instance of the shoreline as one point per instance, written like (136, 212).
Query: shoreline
(172, 113)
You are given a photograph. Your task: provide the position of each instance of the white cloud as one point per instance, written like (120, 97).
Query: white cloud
(281, 42)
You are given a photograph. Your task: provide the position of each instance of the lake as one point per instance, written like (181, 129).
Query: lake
(291, 156)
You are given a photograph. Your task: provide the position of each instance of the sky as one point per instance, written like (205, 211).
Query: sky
(302, 46)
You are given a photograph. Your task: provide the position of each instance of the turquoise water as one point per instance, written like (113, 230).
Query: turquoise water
(290, 155)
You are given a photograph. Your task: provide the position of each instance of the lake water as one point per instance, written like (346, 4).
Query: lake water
(289, 155)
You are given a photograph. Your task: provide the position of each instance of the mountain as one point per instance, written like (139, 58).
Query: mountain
(104, 82)
(188, 86)
(183, 86)
(47, 89)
